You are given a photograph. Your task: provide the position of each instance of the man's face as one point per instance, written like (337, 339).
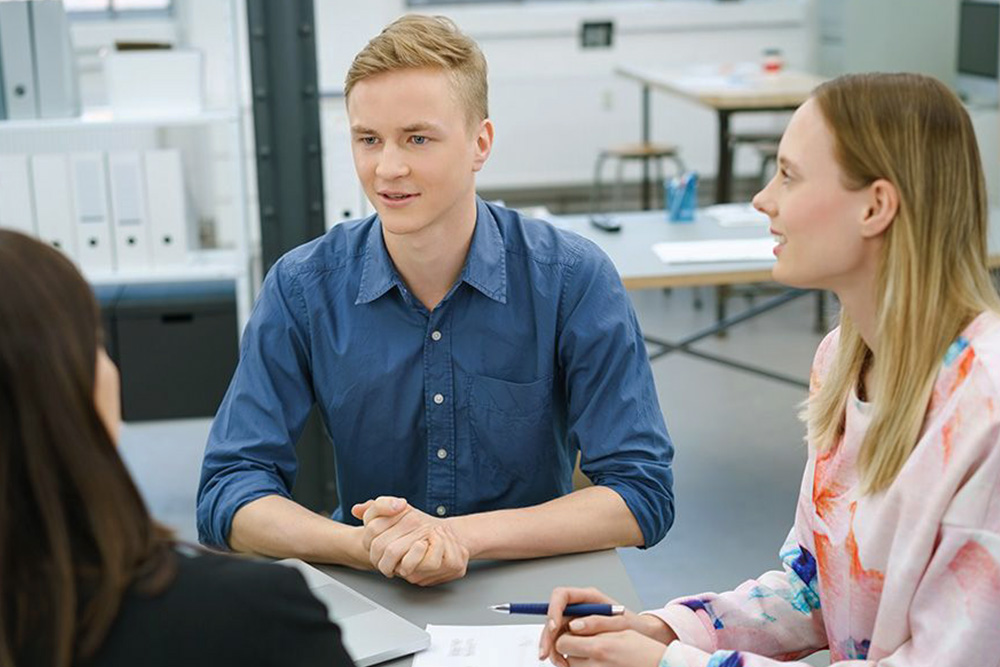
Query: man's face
(414, 150)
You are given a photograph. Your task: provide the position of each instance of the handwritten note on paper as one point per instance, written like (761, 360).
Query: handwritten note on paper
(482, 646)
(722, 250)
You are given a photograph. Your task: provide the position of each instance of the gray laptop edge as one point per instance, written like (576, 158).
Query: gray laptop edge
(371, 633)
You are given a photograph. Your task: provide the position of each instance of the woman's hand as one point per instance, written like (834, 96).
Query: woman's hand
(628, 636)
(625, 648)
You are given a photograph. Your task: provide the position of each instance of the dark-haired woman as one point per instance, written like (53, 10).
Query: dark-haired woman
(86, 576)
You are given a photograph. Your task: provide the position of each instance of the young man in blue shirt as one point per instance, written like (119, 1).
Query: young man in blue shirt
(460, 354)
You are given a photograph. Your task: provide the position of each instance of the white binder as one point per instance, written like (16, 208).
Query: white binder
(89, 180)
(53, 201)
(168, 225)
(16, 60)
(56, 89)
(128, 210)
(16, 210)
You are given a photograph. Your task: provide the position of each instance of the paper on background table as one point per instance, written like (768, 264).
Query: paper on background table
(737, 215)
(482, 646)
(712, 81)
(722, 250)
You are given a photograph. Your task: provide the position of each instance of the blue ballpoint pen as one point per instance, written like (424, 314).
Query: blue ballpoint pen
(542, 609)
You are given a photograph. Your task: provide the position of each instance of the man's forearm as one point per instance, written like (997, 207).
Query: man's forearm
(281, 528)
(586, 520)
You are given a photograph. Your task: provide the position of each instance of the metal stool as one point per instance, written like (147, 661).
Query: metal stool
(768, 156)
(624, 153)
(766, 146)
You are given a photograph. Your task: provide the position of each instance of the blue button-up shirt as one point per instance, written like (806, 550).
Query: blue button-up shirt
(481, 404)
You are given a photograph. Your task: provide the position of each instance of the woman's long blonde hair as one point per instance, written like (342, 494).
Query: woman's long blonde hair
(933, 277)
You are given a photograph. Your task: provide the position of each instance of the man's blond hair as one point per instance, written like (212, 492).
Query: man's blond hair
(415, 41)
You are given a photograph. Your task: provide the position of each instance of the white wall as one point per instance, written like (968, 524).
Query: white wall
(555, 105)
(889, 36)
(903, 35)
(986, 124)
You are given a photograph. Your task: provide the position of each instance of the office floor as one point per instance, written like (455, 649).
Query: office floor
(739, 445)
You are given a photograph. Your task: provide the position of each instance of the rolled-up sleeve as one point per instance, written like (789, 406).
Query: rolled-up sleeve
(613, 414)
(251, 447)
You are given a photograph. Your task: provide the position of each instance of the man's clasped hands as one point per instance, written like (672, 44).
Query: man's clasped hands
(404, 542)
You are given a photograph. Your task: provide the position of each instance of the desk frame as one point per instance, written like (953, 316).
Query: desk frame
(644, 271)
(684, 344)
(639, 268)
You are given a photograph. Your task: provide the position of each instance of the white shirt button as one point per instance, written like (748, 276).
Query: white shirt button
(442, 453)
(439, 399)
(435, 335)
(441, 510)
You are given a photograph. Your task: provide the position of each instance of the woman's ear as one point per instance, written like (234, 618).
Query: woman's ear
(883, 205)
(107, 394)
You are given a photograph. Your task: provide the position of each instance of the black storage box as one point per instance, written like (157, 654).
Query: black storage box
(177, 348)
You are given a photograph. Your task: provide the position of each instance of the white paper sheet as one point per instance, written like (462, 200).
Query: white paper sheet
(726, 250)
(698, 82)
(737, 215)
(482, 646)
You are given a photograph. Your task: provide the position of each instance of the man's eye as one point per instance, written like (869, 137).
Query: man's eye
(368, 141)
(419, 140)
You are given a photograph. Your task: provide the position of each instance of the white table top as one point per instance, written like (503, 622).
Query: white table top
(466, 601)
(729, 90)
(631, 249)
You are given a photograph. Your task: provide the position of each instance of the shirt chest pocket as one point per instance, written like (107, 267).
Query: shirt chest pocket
(511, 426)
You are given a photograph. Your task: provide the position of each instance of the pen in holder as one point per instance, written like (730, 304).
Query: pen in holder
(682, 197)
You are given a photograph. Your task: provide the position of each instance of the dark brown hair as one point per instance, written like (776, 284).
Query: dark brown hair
(74, 531)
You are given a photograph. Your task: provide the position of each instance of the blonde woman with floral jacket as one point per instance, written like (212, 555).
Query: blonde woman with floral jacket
(894, 558)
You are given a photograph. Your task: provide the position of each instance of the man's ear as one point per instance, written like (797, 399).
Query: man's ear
(484, 144)
(883, 205)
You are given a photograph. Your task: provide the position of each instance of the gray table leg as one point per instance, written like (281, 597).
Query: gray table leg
(820, 326)
(721, 296)
(646, 189)
(723, 193)
(723, 181)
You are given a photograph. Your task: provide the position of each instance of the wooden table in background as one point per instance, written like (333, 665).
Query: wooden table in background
(727, 94)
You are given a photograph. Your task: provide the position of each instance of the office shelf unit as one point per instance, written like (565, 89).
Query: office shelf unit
(215, 191)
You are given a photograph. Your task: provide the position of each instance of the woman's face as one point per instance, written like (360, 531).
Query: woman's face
(107, 394)
(816, 220)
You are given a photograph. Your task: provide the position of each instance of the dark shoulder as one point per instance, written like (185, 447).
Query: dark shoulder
(229, 579)
(222, 610)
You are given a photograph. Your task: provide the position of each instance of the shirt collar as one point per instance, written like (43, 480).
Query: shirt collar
(378, 275)
(485, 265)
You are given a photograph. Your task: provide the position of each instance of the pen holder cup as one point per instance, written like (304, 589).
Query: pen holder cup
(681, 197)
